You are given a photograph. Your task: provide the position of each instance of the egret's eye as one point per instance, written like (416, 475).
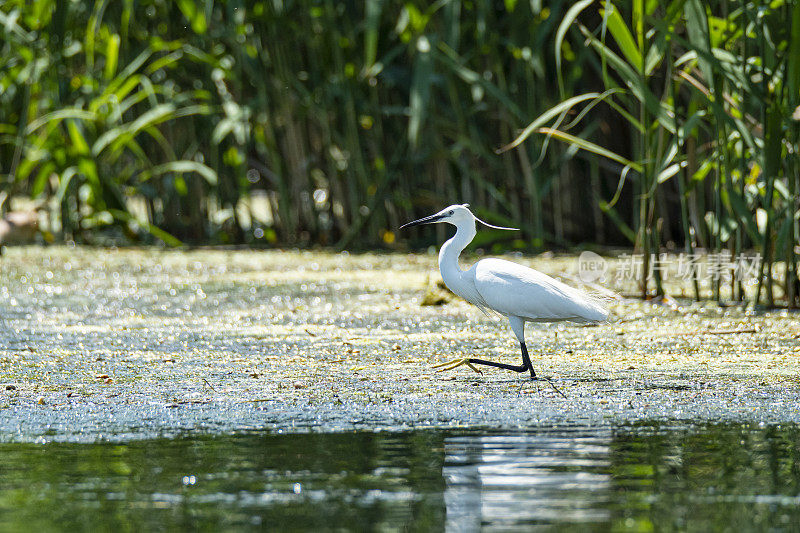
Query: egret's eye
(450, 213)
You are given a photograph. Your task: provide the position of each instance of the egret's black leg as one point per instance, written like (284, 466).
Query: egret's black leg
(526, 362)
(520, 368)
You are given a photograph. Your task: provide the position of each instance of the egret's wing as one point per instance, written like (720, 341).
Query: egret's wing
(513, 289)
(474, 297)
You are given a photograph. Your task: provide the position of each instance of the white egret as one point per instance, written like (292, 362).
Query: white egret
(519, 293)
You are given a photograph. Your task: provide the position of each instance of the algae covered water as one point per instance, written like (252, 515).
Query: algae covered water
(639, 478)
(141, 343)
(223, 390)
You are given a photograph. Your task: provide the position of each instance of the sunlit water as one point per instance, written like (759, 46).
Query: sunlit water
(721, 477)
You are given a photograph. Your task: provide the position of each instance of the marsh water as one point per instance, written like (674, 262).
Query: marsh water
(642, 478)
(223, 390)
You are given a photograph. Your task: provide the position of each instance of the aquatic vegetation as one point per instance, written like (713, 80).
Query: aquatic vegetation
(709, 94)
(142, 342)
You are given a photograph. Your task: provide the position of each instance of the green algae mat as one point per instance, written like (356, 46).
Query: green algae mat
(121, 344)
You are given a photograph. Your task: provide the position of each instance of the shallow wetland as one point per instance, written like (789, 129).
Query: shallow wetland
(197, 373)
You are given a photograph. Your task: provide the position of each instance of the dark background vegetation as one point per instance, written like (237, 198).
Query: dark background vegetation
(661, 125)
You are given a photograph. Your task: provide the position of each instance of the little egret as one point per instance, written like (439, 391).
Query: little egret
(519, 293)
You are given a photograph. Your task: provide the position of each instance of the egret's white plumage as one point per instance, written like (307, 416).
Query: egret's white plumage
(512, 289)
(519, 293)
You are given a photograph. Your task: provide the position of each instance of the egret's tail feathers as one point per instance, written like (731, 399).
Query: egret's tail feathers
(595, 301)
(594, 308)
(592, 289)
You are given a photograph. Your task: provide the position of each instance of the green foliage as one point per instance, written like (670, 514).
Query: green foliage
(344, 119)
(711, 94)
(92, 134)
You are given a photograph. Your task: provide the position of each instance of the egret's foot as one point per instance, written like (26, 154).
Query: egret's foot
(550, 381)
(455, 363)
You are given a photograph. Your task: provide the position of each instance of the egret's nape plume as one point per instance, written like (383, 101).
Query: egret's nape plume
(495, 227)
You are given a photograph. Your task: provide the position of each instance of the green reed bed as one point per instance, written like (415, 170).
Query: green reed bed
(301, 123)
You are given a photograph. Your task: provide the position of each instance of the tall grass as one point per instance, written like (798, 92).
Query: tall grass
(344, 118)
(711, 94)
(662, 126)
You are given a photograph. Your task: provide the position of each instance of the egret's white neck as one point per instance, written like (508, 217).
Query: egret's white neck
(448, 254)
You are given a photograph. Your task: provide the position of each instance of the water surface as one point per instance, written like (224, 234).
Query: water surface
(644, 477)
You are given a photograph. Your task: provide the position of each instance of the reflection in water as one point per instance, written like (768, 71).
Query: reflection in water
(546, 477)
(642, 478)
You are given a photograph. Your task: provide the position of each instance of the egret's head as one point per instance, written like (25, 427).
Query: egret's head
(454, 214)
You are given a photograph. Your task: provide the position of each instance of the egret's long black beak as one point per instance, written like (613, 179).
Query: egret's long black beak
(427, 220)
